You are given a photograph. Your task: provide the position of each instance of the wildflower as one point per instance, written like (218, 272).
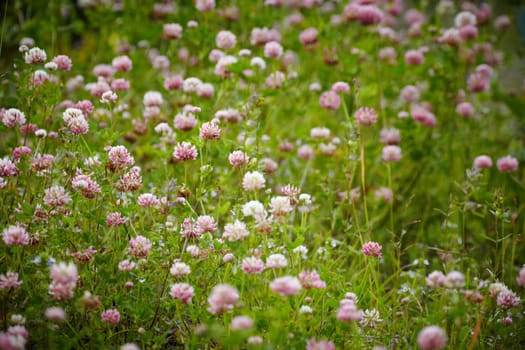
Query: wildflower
(139, 246)
(253, 181)
(330, 100)
(10, 341)
(502, 22)
(179, 269)
(258, 62)
(273, 49)
(521, 277)
(451, 37)
(311, 279)
(435, 279)
(148, 200)
(236, 231)
(432, 338)
(384, 193)
(172, 31)
(388, 54)
(228, 257)
(15, 235)
(306, 152)
(85, 106)
(126, 265)
(223, 64)
(238, 159)
(185, 121)
(410, 94)
(370, 318)
(414, 57)
(225, 40)
(465, 109)
(301, 250)
(482, 162)
(269, 165)
(115, 219)
(131, 181)
(454, 279)
(90, 301)
(85, 255)
(121, 63)
(506, 320)
(280, 206)
(496, 288)
(185, 151)
(191, 84)
(42, 162)
(173, 82)
(63, 62)
(391, 153)
(18, 319)
(109, 97)
(320, 345)
(75, 121)
(64, 278)
(286, 285)
(348, 311)
(13, 117)
(205, 5)
(508, 299)
(390, 136)
(182, 291)
(464, 18)
(255, 340)
(205, 90)
(103, 70)
(366, 116)
(422, 115)
(205, 223)
(241, 323)
(64, 273)
(55, 314)
(261, 36)
(252, 265)
(9, 280)
(35, 55)
(276, 261)
(320, 133)
(477, 83)
(305, 309)
(369, 14)
(152, 99)
(189, 228)
(372, 249)
(222, 298)
(56, 196)
(111, 316)
(193, 250)
(84, 184)
(275, 80)
(7, 167)
(210, 130)
(507, 164)
(254, 209)
(309, 36)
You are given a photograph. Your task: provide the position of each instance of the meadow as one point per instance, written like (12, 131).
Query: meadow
(262, 174)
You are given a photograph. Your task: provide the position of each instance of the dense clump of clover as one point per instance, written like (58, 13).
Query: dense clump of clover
(282, 174)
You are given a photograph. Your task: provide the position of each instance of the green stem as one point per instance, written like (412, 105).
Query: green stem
(363, 185)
